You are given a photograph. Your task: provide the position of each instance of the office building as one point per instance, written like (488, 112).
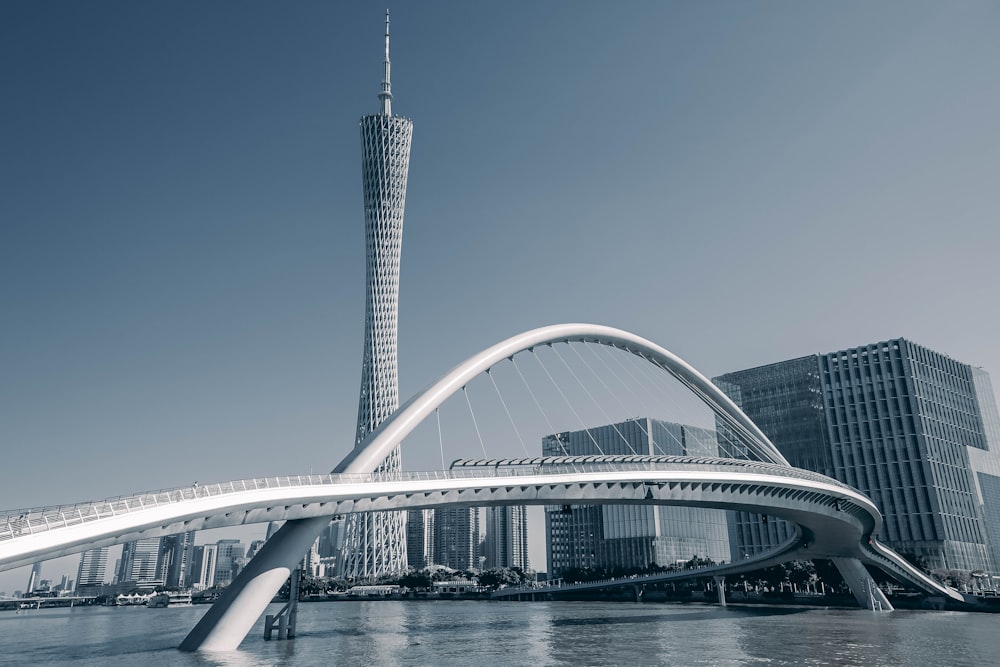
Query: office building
(331, 539)
(174, 555)
(420, 538)
(138, 562)
(633, 536)
(36, 573)
(911, 428)
(375, 543)
(456, 537)
(506, 543)
(229, 559)
(201, 572)
(254, 547)
(91, 572)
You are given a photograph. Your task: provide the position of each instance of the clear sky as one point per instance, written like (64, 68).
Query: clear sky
(181, 223)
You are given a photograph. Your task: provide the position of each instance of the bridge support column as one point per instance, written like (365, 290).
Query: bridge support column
(720, 586)
(286, 617)
(862, 585)
(233, 615)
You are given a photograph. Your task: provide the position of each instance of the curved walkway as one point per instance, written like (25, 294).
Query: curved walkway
(833, 520)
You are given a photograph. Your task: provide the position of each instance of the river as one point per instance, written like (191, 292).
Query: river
(515, 633)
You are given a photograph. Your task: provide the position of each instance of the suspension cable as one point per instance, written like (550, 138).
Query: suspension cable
(628, 387)
(568, 403)
(670, 396)
(475, 423)
(608, 388)
(507, 410)
(591, 396)
(437, 412)
(552, 429)
(634, 359)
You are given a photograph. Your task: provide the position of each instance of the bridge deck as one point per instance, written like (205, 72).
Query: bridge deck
(14, 523)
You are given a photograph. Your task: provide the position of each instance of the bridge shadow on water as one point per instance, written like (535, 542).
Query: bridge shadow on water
(720, 613)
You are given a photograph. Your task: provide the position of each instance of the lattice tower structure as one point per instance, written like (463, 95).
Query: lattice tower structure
(375, 543)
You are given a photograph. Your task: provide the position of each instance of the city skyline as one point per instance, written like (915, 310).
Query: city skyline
(180, 194)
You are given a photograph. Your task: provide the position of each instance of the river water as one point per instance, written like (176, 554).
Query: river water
(515, 633)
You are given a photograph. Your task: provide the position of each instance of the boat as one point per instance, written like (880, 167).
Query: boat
(172, 599)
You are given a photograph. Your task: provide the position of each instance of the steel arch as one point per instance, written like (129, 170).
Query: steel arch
(367, 456)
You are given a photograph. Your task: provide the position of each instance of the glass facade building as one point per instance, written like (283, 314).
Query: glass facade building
(138, 562)
(456, 537)
(229, 558)
(90, 574)
(506, 543)
(420, 538)
(905, 425)
(174, 556)
(633, 536)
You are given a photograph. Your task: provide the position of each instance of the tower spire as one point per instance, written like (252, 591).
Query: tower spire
(386, 95)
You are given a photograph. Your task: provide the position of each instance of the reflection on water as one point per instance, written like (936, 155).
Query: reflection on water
(509, 633)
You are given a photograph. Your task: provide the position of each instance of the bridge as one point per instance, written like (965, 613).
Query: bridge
(38, 601)
(830, 519)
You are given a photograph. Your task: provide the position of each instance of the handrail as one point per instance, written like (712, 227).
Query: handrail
(14, 523)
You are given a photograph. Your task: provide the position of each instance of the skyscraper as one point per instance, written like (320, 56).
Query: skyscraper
(36, 574)
(420, 538)
(506, 543)
(911, 428)
(229, 558)
(375, 543)
(201, 571)
(456, 537)
(90, 575)
(138, 561)
(633, 536)
(175, 554)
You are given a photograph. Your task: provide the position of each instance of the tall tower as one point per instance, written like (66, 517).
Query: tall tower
(375, 544)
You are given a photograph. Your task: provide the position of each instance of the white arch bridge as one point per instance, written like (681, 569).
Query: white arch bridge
(830, 519)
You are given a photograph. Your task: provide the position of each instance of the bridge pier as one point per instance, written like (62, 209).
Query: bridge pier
(233, 615)
(720, 585)
(287, 616)
(868, 595)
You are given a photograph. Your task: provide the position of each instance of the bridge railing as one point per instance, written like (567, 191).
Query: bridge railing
(14, 523)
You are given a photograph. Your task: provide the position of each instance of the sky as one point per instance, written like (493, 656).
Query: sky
(182, 232)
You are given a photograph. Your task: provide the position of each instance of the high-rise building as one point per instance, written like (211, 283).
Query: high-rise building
(254, 547)
(375, 543)
(911, 428)
(201, 572)
(175, 553)
(90, 574)
(420, 538)
(331, 539)
(506, 543)
(138, 562)
(229, 559)
(312, 565)
(36, 573)
(456, 537)
(633, 536)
